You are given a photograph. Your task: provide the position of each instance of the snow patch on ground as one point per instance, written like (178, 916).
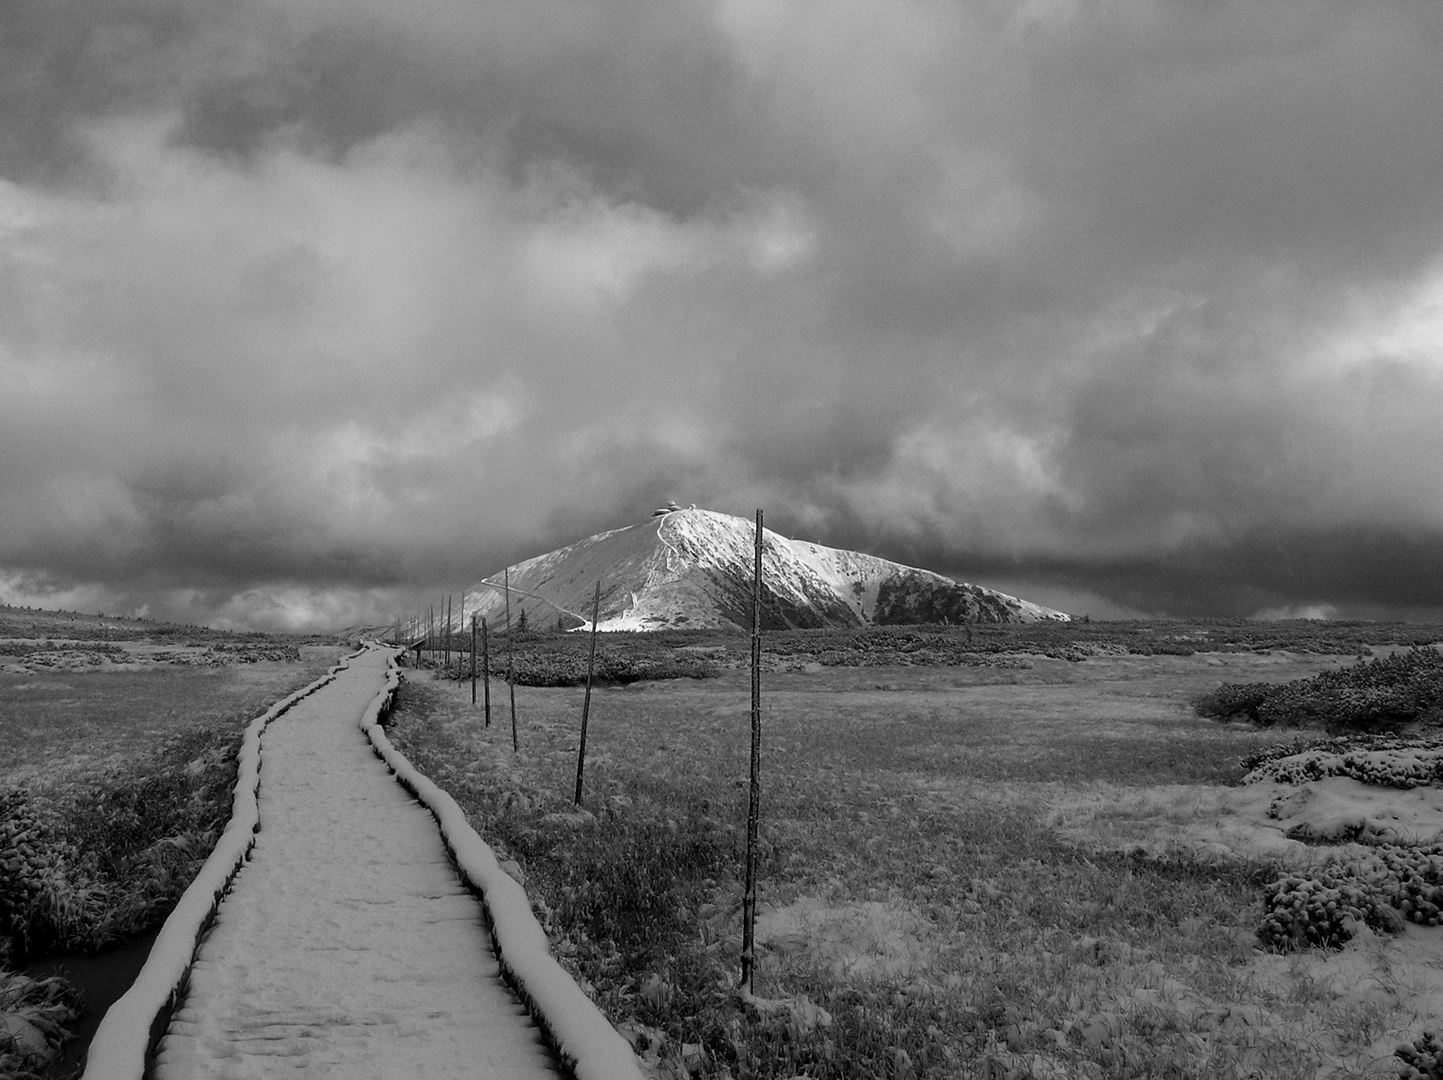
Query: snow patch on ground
(1283, 821)
(864, 941)
(1371, 973)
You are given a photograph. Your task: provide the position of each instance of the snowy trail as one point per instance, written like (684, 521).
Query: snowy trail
(499, 586)
(348, 946)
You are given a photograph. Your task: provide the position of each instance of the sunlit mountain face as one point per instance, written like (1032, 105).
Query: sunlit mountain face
(693, 569)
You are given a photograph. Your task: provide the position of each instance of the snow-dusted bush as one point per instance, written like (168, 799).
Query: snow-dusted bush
(1421, 1059)
(1376, 695)
(33, 1015)
(1381, 760)
(1327, 909)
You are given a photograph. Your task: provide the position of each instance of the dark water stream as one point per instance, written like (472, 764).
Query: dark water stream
(101, 979)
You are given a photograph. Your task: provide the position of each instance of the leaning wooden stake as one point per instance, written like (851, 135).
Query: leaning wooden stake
(486, 671)
(754, 800)
(586, 701)
(510, 666)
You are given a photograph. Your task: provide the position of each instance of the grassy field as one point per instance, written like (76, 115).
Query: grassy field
(115, 780)
(549, 659)
(939, 895)
(995, 851)
(65, 729)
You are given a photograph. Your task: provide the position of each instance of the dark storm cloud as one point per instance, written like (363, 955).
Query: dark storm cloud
(308, 307)
(1354, 572)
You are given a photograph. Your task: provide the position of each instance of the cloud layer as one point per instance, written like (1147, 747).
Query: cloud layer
(310, 309)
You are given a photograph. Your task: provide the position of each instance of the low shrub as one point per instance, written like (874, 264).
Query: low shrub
(1233, 700)
(1379, 760)
(29, 648)
(534, 664)
(1376, 695)
(1381, 891)
(1421, 1059)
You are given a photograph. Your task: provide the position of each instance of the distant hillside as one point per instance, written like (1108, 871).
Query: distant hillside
(693, 569)
(24, 623)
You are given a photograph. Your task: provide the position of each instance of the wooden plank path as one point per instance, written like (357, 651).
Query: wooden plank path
(348, 945)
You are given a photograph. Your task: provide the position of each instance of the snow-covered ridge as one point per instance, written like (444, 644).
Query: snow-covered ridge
(692, 569)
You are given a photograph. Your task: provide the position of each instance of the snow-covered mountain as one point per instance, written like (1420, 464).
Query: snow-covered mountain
(693, 569)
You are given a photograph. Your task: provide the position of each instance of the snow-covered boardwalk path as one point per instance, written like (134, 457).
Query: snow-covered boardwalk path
(348, 946)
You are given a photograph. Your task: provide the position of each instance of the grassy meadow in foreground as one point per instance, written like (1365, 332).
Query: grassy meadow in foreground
(925, 911)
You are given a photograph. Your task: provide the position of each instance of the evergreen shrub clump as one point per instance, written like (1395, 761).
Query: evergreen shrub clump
(1380, 891)
(1380, 760)
(1376, 695)
(1421, 1059)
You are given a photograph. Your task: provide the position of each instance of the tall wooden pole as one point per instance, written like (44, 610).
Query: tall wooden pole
(586, 701)
(510, 666)
(754, 801)
(486, 671)
(473, 651)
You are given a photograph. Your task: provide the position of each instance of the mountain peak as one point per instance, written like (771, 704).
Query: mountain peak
(692, 568)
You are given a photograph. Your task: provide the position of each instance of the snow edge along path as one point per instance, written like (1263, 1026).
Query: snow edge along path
(122, 1042)
(583, 1038)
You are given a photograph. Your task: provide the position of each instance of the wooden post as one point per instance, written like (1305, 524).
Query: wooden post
(473, 651)
(586, 701)
(446, 637)
(486, 671)
(510, 665)
(749, 894)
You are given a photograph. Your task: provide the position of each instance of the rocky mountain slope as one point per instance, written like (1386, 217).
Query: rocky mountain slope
(693, 569)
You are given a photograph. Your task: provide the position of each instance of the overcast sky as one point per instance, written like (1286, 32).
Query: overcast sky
(310, 309)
